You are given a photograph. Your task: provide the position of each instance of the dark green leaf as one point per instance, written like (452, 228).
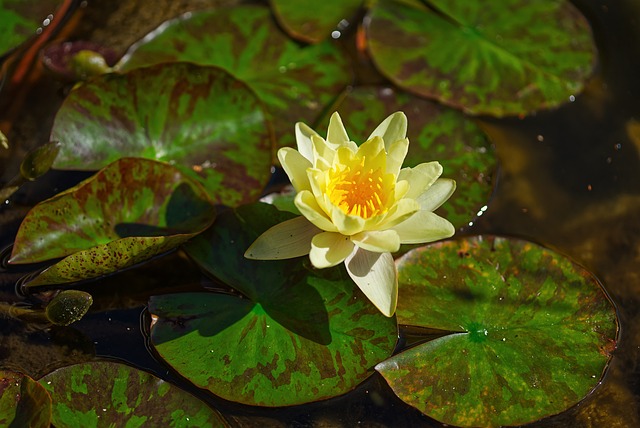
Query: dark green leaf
(103, 394)
(511, 57)
(39, 161)
(23, 402)
(295, 83)
(297, 335)
(531, 332)
(200, 119)
(68, 307)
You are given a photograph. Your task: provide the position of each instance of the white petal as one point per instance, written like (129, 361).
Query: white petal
(303, 139)
(376, 275)
(392, 129)
(329, 249)
(323, 153)
(424, 226)
(379, 241)
(309, 208)
(295, 165)
(286, 240)
(337, 134)
(437, 194)
(395, 156)
(420, 177)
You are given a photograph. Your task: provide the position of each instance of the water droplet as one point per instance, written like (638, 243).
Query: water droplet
(335, 34)
(572, 98)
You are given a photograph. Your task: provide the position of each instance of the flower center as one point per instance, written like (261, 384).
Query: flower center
(359, 191)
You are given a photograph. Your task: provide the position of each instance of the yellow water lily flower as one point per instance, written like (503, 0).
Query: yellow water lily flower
(358, 205)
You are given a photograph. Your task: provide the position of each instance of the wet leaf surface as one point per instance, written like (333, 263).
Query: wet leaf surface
(295, 83)
(200, 119)
(531, 332)
(503, 58)
(23, 401)
(102, 393)
(296, 335)
(20, 20)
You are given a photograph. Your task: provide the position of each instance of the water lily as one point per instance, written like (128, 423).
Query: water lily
(358, 205)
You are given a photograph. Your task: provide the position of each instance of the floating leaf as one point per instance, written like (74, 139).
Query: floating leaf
(511, 57)
(200, 119)
(435, 133)
(531, 332)
(295, 83)
(106, 394)
(313, 24)
(23, 401)
(128, 212)
(21, 19)
(297, 335)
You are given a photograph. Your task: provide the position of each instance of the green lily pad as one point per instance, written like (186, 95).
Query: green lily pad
(23, 401)
(296, 335)
(435, 133)
(313, 24)
(200, 119)
(102, 393)
(295, 83)
(531, 332)
(128, 212)
(21, 19)
(511, 57)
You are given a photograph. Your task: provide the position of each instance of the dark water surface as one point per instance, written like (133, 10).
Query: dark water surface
(570, 179)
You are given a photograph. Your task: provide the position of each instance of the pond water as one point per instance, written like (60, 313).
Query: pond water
(569, 179)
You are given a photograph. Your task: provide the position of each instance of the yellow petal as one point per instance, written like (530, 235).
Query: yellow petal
(395, 156)
(373, 149)
(303, 139)
(329, 249)
(420, 177)
(401, 211)
(379, 241)
(424, 226)
(437, 194)
(392, 129)
(295, 165)
(346, 224)
(337, 134)
(286, 240)
(308, 206)
(323, 153)
(376, 275)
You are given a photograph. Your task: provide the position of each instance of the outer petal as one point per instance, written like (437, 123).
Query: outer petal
(424, 226)
(376, 275)
(337, 134)
(392, 129)
(286, 240)
(420, 177)
(295, 165)
(378, 241)
(329, 249)
(437, 194)
(309, 208)
(303, 139)
(396, 154)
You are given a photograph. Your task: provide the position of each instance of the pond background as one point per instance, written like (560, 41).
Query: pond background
(569, 179)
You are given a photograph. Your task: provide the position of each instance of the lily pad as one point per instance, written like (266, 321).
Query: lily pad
(295, 82)
(295, 335)
(511, 57)
(21, 20)
(128, 212)
(313, 24)
(23, 401)
(435, 133)
(531, 332)
(200, 119)
(102, 393)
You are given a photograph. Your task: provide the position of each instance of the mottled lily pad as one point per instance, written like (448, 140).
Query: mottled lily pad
(23, 401)
(295, 82)
(128, 212)
(200, 119)
(313, 24)
(531, 332)
(296, 334)
(102, 393)
(511, 57)
(21, 20)
(435, 133)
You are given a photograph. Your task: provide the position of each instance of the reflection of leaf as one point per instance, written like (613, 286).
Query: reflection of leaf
(532, 332)
(104, 393)
(295, 83)
(297, 335)
(23, 402)
(200, 119)
(511, 57)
